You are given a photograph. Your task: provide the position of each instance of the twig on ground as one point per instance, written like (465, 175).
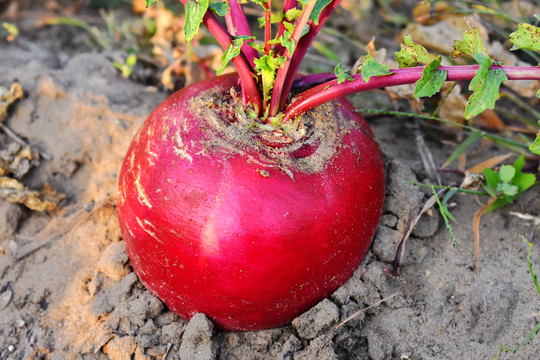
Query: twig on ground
(54, 230)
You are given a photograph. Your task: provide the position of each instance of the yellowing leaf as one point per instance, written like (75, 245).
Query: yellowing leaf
(411, 54)
(526, 37)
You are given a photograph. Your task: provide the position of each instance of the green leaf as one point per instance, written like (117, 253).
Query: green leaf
(492, 178)
(497, 204)
(526, 37)
(471, 44)
(535, 146)
(150, 2)
(411, 54)
(232, 51)
(518, 165)
(195, 11)
(221, 8)
(342, 75)
(485, 91)
(524, 181)
(506, 173)
(317, 9)
(463, 146)
(370, 67)
(432, 79)
(266, 66)
(293, 14)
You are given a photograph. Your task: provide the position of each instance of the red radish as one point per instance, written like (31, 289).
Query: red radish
(250, 234)
(252, 210)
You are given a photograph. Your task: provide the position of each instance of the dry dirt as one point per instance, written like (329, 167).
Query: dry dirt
(76, 297)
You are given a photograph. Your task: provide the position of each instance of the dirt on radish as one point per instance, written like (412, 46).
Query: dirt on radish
(77, 297)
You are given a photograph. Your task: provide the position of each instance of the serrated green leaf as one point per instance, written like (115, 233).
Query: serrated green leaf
(232, 51)
(293, 14)
(527, 36)
(220, 8)
(492, 178)
(485, 92)
(341, 75)
(150, 2)
(471, 44)
(195, 11)
(463, 146)
(317, 9)
(266, 67)
(411, 54)
(506, 173)
(370, 67)
(432, 79)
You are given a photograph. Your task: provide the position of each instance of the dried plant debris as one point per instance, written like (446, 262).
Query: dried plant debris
(45, 199)
(16, 159)
(8, 97)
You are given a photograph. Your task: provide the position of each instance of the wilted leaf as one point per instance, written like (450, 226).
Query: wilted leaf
(471, 44)
(411, 54)
(489, 163)
(8, 97)
(370, 67)
(526, 37)
(45, 199)
(341, 75)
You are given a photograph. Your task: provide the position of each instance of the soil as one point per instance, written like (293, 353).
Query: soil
(67, 290)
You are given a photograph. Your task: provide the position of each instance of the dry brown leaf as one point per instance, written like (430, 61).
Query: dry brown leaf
(490, 120)
(8, 97)
(489, 163)
(45, 199)
(17, 160)
(428, 12)
(476, 229)
(462, 162)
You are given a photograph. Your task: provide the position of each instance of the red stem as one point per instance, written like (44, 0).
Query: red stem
(237, 25)
(281, 76)
(331, 90)
(287, 5)
(240, 62)
(299, 53)
(267, 26)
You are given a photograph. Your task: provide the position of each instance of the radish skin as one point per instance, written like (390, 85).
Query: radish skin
(249, 234)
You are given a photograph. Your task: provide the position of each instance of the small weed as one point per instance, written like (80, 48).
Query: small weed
(504, 348)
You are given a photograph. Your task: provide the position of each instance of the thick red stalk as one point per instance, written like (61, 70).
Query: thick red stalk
(331, 90)
(240, 62)
(299, 53)
(237, 25)
(282, 72)
(267, 26)
(287, 5)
